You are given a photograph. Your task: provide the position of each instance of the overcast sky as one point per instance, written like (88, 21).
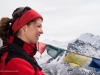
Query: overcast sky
(64, 20)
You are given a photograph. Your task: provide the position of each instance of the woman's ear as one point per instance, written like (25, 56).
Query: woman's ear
(24, 28)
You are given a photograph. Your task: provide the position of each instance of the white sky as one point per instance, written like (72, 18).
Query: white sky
(64, 20)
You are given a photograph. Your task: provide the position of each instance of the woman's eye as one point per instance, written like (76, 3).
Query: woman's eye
(40, 26)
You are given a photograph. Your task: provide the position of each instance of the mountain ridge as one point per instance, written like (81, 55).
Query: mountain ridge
(80, 45)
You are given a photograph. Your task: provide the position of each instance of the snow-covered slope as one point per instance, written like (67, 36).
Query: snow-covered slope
(56, 43)
(93, 39)
(84, 48)
(87, 44)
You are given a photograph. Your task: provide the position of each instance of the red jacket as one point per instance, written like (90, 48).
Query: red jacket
(18, 66)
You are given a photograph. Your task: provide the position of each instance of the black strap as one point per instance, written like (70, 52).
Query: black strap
(16, 48)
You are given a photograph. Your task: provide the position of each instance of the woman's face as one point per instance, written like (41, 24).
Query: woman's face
(33, 31)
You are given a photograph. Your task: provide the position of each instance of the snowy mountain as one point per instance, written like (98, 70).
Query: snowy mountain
(87, 44)
(84, 48)
(56, 43)
(92, 39)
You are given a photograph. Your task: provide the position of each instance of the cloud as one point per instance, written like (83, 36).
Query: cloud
(64, 20)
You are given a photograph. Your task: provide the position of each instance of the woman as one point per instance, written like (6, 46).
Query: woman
(23, 30)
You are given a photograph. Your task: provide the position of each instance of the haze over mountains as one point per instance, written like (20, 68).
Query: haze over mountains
(86, 44)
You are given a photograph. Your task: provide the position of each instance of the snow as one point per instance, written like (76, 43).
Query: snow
(88, 44)
(93, 39)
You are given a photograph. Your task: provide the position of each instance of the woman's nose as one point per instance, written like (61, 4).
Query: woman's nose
(41, 31)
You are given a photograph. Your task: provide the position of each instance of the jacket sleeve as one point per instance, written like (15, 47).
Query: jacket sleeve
(18, 66)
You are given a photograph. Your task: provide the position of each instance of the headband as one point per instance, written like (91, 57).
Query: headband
(24, 19)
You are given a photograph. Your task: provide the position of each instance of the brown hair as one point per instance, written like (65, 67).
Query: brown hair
(6, 24)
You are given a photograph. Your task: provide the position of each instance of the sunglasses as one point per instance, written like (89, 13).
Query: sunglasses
(24, 10)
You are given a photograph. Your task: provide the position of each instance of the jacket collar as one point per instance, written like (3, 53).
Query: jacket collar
(31, 49)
